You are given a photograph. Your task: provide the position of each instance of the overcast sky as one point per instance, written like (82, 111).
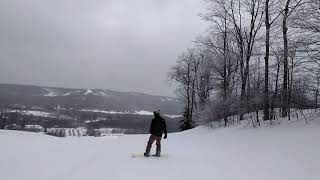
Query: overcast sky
(125, 45)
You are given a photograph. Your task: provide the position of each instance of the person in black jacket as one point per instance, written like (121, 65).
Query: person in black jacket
(157, 128)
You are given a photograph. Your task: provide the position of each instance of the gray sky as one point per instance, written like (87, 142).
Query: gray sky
(125, 45)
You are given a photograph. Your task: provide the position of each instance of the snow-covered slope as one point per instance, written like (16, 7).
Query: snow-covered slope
(289, 151)
(47, 98)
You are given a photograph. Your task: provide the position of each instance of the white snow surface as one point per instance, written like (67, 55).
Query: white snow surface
(146, 113)
(289, 151)
(32, 126)
(67, 94)
(89, 91)
(37, 113)
(173, 116)
(51, 92)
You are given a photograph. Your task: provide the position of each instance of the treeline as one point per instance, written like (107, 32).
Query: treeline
(134, 124)
(255, 55)
(21, 120)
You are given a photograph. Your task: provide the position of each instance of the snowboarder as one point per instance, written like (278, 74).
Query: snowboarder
(157, 128)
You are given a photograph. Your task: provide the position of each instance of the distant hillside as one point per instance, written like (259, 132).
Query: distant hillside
(47, 98)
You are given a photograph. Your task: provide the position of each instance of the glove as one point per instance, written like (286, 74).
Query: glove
(165, 136)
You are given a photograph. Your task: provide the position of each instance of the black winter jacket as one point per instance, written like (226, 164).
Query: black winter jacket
(158, 126)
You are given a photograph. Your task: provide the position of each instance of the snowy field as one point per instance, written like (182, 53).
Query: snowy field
(289, 151)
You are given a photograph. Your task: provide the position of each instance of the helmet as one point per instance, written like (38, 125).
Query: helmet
(156, 112)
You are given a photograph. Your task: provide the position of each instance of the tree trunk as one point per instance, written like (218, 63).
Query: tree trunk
(285, 60)
(290, 90)
(275, 91)
(193, 95)
(317, 92)
(243, 86)
(266, 64)
(1, 121)
(242, 75)
(225, 80)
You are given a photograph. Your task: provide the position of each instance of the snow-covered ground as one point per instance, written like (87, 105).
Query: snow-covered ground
(37, 113)
(289, 151)
(51, 92)
(89, 91)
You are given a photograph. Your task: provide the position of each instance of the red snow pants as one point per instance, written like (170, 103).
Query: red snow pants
(151, 141)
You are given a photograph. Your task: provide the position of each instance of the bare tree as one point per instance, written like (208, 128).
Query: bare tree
(221, 46)
(287, 11)
(278, 55)
(185, 74)
(246, 34)
(225, 70)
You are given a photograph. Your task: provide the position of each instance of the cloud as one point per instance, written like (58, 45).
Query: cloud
(123, 45)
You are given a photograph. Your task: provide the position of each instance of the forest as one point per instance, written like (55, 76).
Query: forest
(256, 56)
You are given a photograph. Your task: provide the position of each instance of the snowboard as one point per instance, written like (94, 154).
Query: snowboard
(138, 155)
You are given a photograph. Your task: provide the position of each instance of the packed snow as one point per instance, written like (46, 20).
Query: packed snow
(288, 151)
